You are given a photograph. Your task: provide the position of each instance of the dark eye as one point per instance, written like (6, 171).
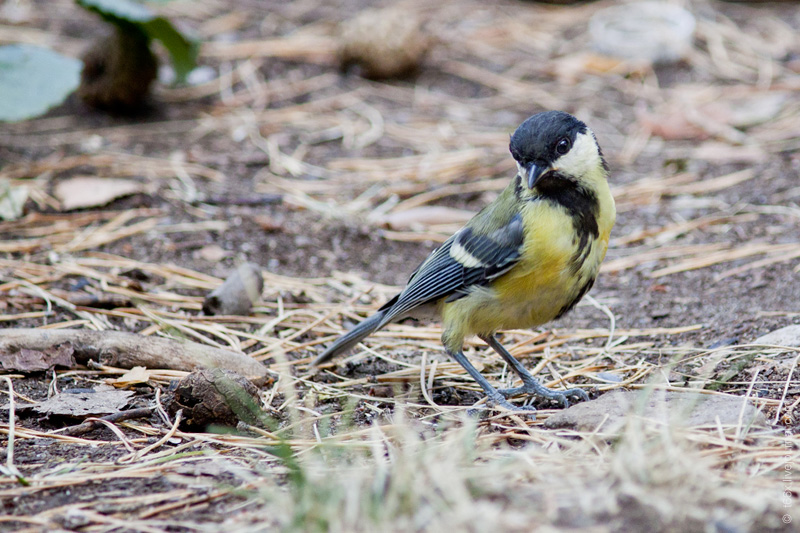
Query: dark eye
(563, 146)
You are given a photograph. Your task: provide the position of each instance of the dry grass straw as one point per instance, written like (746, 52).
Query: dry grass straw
(448, 472)
(421, 464)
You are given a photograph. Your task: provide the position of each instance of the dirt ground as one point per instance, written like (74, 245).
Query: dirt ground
(282, 159)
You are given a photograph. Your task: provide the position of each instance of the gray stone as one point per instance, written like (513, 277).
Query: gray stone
(689, 409)
(788, 336)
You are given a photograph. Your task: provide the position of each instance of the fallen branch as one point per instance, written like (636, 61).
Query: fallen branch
(127, 350)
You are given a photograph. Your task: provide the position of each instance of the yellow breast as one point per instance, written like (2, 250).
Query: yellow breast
(544, 281)
(554, 272)
(541, 286)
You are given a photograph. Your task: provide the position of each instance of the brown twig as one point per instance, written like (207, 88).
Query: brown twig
(90, 425)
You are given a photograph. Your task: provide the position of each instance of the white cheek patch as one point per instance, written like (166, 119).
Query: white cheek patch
(582, 158)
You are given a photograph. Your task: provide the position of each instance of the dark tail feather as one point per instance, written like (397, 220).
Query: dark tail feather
(351, 338)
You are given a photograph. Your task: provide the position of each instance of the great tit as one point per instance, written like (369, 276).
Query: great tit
(525, 259)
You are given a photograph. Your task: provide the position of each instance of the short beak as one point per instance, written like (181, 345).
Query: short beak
(536, 171)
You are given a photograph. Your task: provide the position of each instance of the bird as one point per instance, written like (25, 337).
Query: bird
(523, 260)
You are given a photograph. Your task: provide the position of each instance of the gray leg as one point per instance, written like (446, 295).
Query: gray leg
(530, 385)
(496, 399)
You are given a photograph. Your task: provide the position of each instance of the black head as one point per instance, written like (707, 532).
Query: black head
(554, 141)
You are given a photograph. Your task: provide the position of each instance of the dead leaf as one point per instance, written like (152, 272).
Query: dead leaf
(135, 376)
(697, 113)
(722, 152)
(26, 360)
(748, 111)
(213, 252)
(670, 122)
(101, 401)
(570, 69)
(90, 191)
(268, 223)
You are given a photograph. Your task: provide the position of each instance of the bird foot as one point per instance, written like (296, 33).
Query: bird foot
(499, 401)
(537, 389)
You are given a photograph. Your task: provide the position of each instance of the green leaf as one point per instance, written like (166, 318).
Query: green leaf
(124, 14)
(33, 79)
(182, 51)
(115, 10)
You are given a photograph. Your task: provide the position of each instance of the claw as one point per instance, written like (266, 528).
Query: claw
(500, 401)
(530, 385)
(499, 398)
(535, 388)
